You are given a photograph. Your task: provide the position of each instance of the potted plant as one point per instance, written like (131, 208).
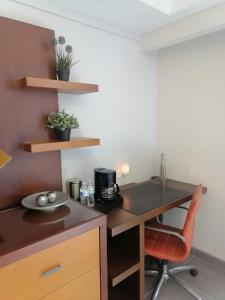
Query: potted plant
(62, 123)
(64, 58)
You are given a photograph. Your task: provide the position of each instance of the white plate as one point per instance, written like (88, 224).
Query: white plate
(31, 203)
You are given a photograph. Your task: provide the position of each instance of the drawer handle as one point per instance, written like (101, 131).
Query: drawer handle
(52, 271)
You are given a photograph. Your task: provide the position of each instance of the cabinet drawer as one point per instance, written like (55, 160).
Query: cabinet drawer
(37, 275)
(84, 288)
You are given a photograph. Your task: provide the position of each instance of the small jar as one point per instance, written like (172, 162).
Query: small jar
(74, 188)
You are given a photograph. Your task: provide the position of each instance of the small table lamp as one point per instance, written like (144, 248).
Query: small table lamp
(124, 169)
(4, 158)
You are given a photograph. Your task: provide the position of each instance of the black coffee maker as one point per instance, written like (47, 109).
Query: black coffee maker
(106, 188)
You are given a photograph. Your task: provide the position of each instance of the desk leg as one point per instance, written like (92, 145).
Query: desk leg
(142, 262)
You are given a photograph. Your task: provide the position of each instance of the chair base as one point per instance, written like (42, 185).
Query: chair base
(165, 274)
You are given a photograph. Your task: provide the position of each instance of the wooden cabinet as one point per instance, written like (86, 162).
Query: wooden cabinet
(64, 269)
(84, 288)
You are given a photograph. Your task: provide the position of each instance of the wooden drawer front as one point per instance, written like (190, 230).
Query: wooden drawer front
(84, 288)
(39, 274)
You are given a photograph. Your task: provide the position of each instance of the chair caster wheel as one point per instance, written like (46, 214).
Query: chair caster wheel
(194, 272)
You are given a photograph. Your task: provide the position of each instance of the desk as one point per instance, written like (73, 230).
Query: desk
(126, 232)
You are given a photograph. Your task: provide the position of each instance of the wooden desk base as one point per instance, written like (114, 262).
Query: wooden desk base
(126, 245)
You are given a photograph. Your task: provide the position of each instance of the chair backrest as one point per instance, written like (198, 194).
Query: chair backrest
(188, 229)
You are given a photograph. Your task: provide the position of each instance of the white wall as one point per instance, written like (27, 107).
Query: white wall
(191, 129)
(122, 114)
(191, 123)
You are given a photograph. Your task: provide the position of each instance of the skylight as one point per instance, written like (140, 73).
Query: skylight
(170, 7)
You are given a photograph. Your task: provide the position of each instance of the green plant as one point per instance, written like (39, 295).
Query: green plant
(64, 54)
(61, 121)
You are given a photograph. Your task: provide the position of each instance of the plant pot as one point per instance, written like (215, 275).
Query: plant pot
(63, 75)
(63, 135)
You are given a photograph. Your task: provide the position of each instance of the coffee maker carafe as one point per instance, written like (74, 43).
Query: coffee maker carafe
(106, 188)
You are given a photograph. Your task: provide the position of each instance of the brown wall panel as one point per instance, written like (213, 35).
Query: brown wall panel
(25, 50)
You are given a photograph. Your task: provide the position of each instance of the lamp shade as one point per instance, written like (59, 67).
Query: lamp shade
(4, 158)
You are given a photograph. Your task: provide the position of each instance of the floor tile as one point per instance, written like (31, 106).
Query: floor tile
(210, 280)
(149, 283)
(209, 284)
(171, 291)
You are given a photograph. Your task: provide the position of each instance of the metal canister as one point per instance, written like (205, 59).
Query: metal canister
(74, 188)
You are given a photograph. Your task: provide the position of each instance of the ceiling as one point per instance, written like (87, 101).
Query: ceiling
(170, 7)
(134, 16)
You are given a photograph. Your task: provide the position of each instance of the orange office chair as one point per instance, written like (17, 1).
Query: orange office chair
(166, 243)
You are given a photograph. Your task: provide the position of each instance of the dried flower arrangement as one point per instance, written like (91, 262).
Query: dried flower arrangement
(64, 58)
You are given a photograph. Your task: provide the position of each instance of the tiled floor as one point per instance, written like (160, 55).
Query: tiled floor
(209, 284)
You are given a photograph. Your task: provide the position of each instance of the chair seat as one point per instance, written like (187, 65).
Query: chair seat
(163, 245)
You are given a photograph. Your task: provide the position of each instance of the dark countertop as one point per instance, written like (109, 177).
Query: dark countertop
(24, 232)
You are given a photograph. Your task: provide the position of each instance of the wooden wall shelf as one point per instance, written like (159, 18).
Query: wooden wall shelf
(43, 146)
(60, 86)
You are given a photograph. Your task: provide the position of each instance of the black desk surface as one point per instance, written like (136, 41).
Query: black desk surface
(144, 201)
(148, 196)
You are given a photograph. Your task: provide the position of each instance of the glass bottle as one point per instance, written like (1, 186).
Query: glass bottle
(91, 192)
(84, 192)
(163, 170)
